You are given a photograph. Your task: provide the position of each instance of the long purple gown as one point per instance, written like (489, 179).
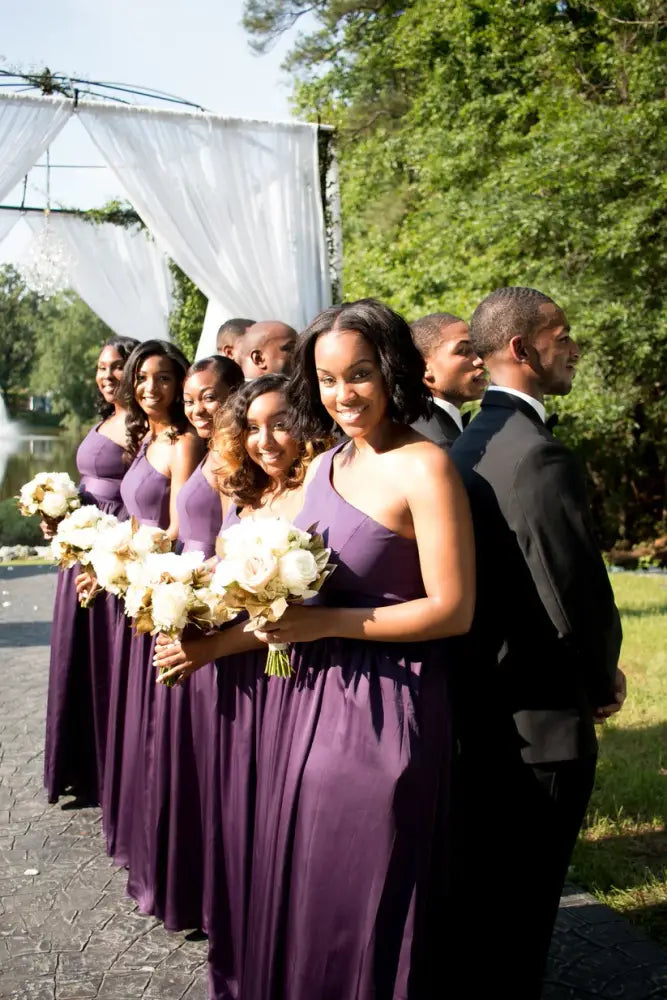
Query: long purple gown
(81, 646)
(350, 809)
(230, 810)
(145, 493)
(170, 885)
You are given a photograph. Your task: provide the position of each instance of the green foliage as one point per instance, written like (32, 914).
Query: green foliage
(490, 142)
(187, 317)
(67, 345)
(16, 529)
(19, 323)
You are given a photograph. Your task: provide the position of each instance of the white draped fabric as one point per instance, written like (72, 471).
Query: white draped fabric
(8, 219)
(235, 203)
(27, 127)
(118, 272)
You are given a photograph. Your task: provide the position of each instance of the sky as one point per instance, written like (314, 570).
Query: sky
(195, 49)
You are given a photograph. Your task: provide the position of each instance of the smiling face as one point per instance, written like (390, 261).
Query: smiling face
(554, 353)
(352, 388)
(453, 370)
(203, 395)
(109, 373)
(155, 387)
(268, 441)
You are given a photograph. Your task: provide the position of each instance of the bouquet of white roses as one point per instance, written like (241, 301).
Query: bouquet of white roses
(119, 546)
(268, 562)
(77, 534)
(52, 494)
(169, 591)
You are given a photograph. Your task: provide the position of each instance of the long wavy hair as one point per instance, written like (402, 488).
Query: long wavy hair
(401, 365)
(136, 421)
(238, 476)
(124, 346)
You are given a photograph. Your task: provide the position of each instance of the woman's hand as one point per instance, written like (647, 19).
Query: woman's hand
(48, 526)
(176, 659)
(85, 583)
(298, 624)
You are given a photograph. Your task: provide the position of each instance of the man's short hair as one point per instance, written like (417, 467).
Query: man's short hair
(506, 313)
(231, 329)
(427, 332)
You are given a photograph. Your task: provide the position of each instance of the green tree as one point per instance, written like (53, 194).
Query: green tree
(68, 342)
(187, 316)
(19, 323)
(491, 142)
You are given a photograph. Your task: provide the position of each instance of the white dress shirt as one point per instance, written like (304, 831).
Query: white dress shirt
(452, 410)
(535, 403)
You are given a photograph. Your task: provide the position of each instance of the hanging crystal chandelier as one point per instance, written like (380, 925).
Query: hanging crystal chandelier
(46, 267)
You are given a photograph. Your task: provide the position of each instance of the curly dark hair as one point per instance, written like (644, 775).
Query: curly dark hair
(124, 346)
(226, 370)
(401, 365)
(238, 476)
(136, 421)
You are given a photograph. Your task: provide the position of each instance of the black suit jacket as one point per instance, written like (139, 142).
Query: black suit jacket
(438, 427)
(546, 632)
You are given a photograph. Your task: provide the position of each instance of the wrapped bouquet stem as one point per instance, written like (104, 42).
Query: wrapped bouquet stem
(268, 563)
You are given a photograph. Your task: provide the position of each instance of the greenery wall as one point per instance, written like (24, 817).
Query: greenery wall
(510, 142)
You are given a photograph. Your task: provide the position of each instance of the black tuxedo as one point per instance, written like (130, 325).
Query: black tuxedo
(438, 427)
(540, 657)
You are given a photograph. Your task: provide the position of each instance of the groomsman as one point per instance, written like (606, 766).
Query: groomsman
(230, 335)
(539, 666)
(266, 348)
(454, 374)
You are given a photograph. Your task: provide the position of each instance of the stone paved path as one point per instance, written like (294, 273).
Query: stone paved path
(69, 932)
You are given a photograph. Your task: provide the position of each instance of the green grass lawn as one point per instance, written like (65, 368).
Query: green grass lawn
(621, 856)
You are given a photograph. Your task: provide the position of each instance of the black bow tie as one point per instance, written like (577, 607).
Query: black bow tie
(551, 421)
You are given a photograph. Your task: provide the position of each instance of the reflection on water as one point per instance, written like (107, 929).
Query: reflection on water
(27, 451)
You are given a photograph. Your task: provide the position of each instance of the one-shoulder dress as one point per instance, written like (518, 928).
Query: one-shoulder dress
(81, 648)
(171, 884)
(350, 812)
(145, 493)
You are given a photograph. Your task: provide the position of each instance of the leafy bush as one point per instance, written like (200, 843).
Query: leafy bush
(16, 529)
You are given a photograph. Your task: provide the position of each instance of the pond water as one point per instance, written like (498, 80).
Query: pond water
(27, 450)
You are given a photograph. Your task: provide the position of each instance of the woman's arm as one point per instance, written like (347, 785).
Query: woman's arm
(443, 530)
(185, 457)
(180, 659)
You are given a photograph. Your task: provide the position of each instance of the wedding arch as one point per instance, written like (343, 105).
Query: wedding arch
(238, 204)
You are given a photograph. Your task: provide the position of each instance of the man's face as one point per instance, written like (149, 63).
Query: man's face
(278, 352)
(554, 353)
(453, 370)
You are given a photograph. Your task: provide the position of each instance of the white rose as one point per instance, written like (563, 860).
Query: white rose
(256, 570)
(298, 570)
(55, 504)
(147, 539)
(170, 606)
(109, 570)
(134, 598)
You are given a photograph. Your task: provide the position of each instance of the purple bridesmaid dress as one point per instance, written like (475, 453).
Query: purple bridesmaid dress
(352, 768)
(230, 811)
(81, 648)
(145, 492)
(171, 883)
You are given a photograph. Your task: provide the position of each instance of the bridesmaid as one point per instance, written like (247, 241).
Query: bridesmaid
(182, 714)
(78, 694)
(165, 451)
(262, 468)
(343, 898)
